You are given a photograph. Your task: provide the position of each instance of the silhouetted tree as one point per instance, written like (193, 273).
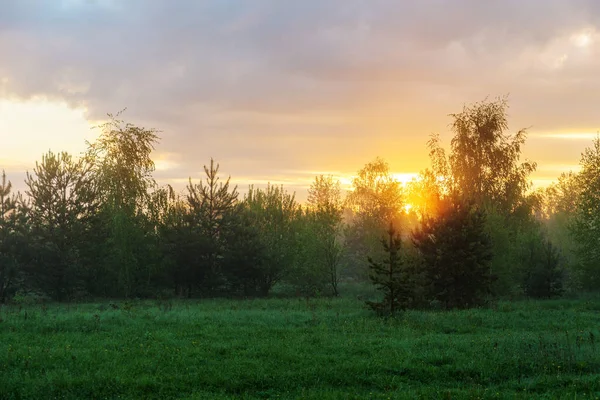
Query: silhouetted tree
(456, 253)
(391, 277)
(320, 234)
(273, 211)
(181, 245)
(209, 202)
(483, 165)
(245, 256)
(545, 276)
(123, 174)
(559, 212)
(63, 198)
(586, 225)
(375, 199)
(9, 239)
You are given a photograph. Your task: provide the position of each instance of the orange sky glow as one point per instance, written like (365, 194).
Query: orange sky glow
(280, 92)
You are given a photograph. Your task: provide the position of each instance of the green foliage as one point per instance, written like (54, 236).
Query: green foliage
(11, 239)
(245, 256)
(391, 277)
(179, 243)
(209, 203)
(545, 276)
(308, 275)
(483, 165)
(376, 199)
(586, 224)
(122, 163)
(559, 211)
(376, 194)
(100, 226)
(320, 241)
(63, 200)
(456, 253)
(122, 171)
(275, 213)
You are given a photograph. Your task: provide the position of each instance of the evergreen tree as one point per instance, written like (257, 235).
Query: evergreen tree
(181, 246)
(63, 198)
(245, 254)
(456, 253)
(484, 166)
(545, 278)
(209, 203)
(9, 265)
(391, 277)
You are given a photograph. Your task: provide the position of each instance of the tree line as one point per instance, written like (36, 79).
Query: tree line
(99, 226)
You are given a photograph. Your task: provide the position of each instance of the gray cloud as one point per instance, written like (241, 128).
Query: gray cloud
(264, 83)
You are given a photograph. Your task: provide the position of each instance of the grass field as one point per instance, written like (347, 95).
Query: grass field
(291, 348)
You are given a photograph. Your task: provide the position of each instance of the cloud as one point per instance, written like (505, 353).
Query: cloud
(265, 83)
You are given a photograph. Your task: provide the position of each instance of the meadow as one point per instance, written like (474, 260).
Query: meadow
(298, 349)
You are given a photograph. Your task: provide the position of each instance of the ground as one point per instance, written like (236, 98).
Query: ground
(298, 349)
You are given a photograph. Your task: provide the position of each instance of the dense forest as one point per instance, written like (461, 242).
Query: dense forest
(99, 226)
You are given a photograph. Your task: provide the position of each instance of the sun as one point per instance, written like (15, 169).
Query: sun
(405, 177)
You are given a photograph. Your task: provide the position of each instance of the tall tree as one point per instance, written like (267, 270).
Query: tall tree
(123, 163)
(376, 199)
(544, 278)
(484, 162)
(246, 257)
(325, 215)
(274, 212)
(209, 203)
(559, 212)
(586, 227)
(376, 194)
(123, 170)
(456, 253)
(180, 244)
(9, 266)
(484, 167)
(63, 198)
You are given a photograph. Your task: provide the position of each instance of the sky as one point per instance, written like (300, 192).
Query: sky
(280, 91)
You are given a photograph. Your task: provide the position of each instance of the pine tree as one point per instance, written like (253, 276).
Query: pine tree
(390, 277)
(210, 201)
(456, 253)
(8, 259)
(545, 279)
(62, 201)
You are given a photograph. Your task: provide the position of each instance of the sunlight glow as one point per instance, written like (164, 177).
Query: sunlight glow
(165, 161)
(568, 135)
(29, 128)
(582, 39)
(405, 177)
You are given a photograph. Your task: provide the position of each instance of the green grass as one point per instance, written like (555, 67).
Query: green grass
(290, 348)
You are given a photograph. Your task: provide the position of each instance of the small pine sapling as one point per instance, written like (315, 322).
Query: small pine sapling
(390, 277)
